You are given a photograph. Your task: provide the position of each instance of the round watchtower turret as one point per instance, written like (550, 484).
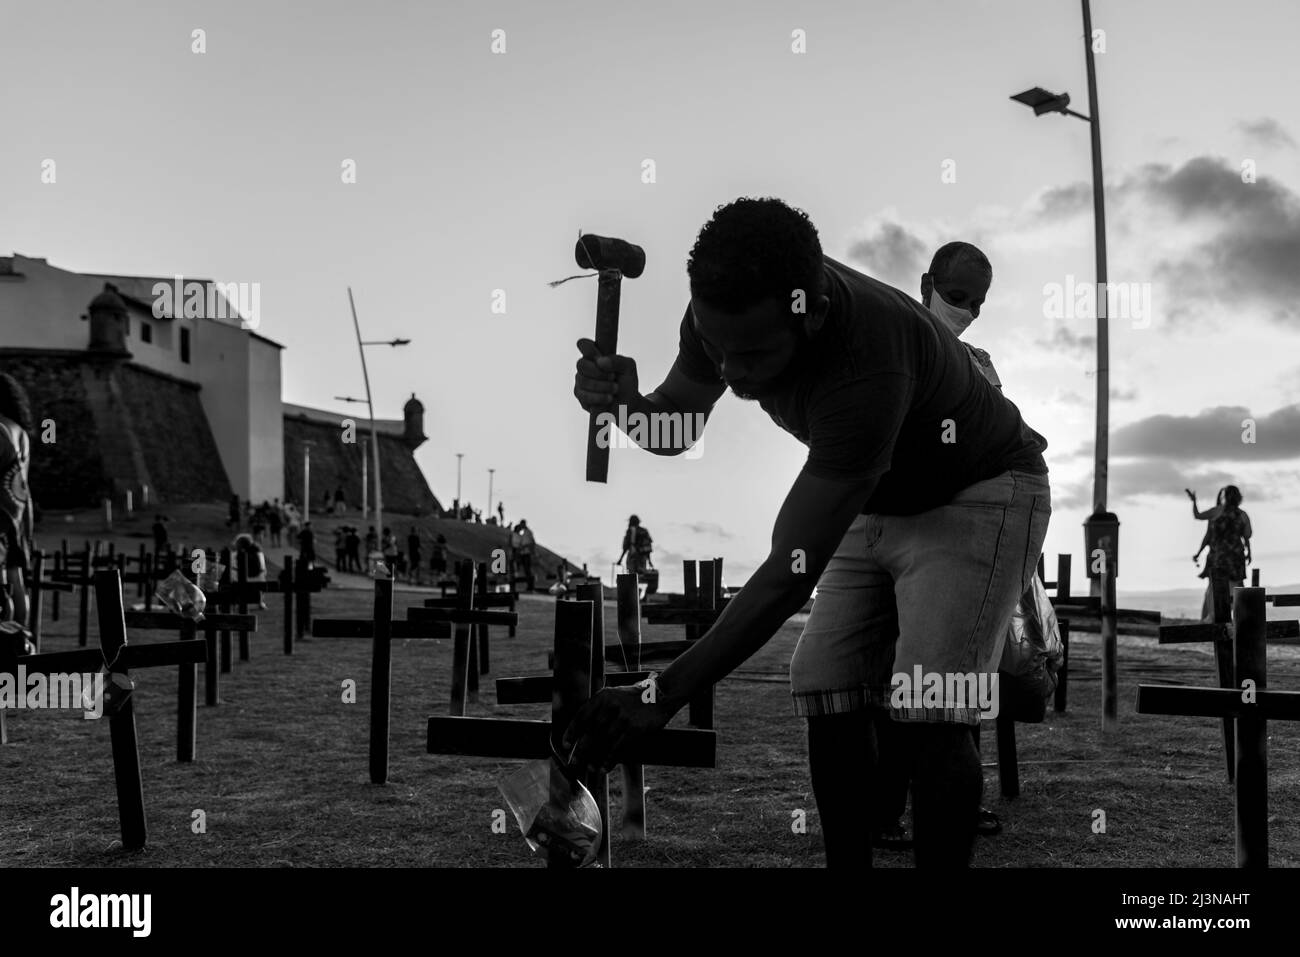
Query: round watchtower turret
(108, 321)
(413, 419)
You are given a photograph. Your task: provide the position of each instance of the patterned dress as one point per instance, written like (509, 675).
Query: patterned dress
(1229, 532)
(15, 498)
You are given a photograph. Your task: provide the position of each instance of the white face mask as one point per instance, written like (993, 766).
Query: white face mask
(954, 318)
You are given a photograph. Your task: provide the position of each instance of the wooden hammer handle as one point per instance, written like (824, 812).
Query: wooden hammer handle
(607, 297)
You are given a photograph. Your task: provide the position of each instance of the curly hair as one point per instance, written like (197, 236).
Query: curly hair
(753, 250)
(14, 403)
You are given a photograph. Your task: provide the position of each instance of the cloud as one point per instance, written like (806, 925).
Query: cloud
(892, 254)
(711, 529)
(1266, 132)
(1213, 435)
(1066, 340)
(1126, 481)
(1123, 395)
(1212, 241)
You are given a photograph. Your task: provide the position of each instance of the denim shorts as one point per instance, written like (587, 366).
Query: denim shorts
(933, 591)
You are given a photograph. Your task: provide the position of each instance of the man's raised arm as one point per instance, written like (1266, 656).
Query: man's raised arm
(609, 384)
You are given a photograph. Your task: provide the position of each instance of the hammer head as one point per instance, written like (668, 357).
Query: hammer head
(604, 252)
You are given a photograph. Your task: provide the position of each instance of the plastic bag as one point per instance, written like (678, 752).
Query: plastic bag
(181, 596)
(554, 810)
(1033, 652)
(107, 695)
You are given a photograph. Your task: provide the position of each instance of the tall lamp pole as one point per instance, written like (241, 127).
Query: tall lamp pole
(306, 479)
(459, 456)
(1101, 530)
(489, 508)
(374, 437)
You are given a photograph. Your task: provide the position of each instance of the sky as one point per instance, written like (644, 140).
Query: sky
(481, 155)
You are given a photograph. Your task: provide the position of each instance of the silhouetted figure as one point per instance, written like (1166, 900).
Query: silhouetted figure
(307, 543)
(438, 558)
(527, 545)
(637, 546)
(232, 517)
(16, 518)
(1230, 535)
(413, 553)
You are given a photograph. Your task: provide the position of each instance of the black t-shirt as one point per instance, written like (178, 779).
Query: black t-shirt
(885, 390)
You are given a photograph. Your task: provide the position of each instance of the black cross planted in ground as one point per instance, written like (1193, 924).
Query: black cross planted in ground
(537, 689)
(1251, 706)
(702, 602)
(77, 570)
(1220, 633)
(188, 630)
(120, 659)
(382, 629)
(579, 672)
(470, 654)
(37, 588)
(1062, 598)
(1104, 610)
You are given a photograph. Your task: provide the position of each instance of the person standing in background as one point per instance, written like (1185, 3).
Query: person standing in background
(16, 518)
(413, 554)
(1230, 535)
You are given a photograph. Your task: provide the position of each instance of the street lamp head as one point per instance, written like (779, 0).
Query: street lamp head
(1042, 101)
(400, 342)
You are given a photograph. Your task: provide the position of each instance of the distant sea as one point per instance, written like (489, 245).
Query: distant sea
(1176, 603)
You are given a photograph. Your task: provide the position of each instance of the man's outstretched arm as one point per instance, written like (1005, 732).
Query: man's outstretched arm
(813, 520)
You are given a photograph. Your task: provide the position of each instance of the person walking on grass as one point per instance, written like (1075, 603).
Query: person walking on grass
(901, 428)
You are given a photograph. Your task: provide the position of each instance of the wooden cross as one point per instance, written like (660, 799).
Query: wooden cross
(121, 657)
(1252, 706)
(1104, 609)
(470, 594)
(1221, 634)
(188, 630)
(76, 570)
(1062, 597)
(37, 588)
(700, 609)
(538, 689)
(578, 674)
(382, 629)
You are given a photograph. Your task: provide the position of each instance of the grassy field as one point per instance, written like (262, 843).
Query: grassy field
(281, 774)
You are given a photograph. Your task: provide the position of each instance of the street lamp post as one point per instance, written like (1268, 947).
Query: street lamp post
(459, 456)
(306, 479)
(365, 481)
(374, 437)
(489, 508)
(1043, 102)
(1101, 529)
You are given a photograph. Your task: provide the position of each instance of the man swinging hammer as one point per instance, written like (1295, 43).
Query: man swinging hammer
(901, 429)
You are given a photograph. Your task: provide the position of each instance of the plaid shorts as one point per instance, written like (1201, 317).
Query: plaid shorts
(922, 595)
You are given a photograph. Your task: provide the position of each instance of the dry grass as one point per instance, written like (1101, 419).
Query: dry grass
(282, 769)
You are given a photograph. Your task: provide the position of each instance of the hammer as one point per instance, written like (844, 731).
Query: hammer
(615, 258)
